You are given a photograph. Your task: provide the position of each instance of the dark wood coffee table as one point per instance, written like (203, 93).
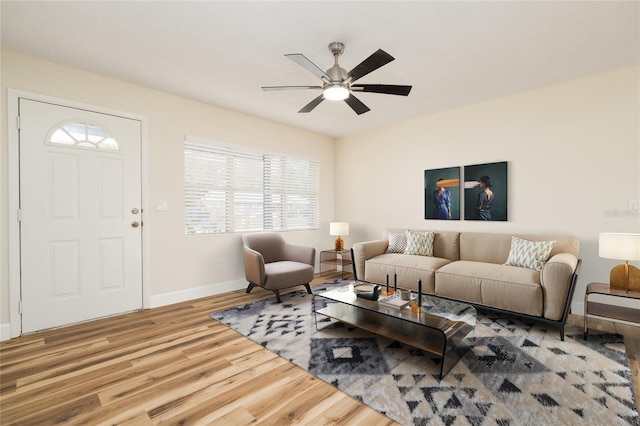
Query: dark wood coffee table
(444, 327)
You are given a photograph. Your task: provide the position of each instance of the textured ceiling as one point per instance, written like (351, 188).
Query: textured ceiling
(453, 53)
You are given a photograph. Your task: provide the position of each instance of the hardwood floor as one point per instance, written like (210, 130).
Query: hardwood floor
(175, 365)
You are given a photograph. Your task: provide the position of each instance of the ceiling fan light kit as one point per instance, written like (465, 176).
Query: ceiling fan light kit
(335, 93)
(337, 83)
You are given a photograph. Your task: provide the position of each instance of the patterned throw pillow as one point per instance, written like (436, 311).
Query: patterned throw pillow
(420, 243)
(529, 254)
(397, 242)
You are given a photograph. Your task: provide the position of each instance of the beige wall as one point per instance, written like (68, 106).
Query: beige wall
(177, 263)
(573, 153)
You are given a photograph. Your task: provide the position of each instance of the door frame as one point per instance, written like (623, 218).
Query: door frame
(13, 97)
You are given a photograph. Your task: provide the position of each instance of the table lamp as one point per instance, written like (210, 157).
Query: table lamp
(623, 247)
(339, 228)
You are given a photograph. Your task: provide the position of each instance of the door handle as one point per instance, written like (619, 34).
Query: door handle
(135, 210)
(135, 224)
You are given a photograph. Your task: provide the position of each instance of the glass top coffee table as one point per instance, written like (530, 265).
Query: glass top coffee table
(444, 327)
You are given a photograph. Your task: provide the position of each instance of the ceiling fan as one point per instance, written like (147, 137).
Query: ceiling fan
(337, 84)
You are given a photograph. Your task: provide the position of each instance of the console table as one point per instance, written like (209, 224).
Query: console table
(609, 311)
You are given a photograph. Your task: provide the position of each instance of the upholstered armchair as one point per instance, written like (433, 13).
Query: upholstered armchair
(273, 264)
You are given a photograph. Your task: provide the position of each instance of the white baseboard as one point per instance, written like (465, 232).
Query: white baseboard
(5, 331)
(168, 298)
(196, 293)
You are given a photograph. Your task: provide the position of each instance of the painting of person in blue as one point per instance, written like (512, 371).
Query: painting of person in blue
(441, 202)
(485, 199)
(442, 193)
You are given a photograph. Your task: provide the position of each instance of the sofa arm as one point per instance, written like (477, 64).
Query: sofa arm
(364, 251)
(253, 266)
(298, 253)
(556, 278)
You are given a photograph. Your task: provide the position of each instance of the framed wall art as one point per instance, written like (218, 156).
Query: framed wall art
(485, 192)
(442, 193)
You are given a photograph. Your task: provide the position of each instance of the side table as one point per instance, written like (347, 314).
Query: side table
(335, 258)
(609, 311)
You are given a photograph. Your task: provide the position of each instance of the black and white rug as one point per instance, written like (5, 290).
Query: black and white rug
(516, 373)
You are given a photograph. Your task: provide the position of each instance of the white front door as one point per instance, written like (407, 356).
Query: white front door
(80, 215)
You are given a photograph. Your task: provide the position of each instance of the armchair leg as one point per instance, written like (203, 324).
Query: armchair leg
(250, 287)
(276, 292)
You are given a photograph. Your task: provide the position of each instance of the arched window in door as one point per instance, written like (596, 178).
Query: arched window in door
(82, 135)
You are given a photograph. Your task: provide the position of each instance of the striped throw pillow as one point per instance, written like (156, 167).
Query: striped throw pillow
(397, 242)
(529, 254)
(420, 243)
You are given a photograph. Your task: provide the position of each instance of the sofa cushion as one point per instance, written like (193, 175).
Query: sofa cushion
(529, 254)
(407, 268)
(419, 243)
(500, 286)
(397, 242)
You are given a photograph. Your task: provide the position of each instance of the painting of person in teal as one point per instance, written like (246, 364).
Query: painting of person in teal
(485, 199)
(442, 193)
(485, 192)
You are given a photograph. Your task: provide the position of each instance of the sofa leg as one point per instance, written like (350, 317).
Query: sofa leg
(308, 287)
(562, 333)
(277, 292)
(250, 287)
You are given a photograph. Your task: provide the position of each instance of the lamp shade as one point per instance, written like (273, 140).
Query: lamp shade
(339, 228)
(619, 246)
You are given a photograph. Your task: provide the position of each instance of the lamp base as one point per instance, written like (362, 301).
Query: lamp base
(618, 278)
(339, 244)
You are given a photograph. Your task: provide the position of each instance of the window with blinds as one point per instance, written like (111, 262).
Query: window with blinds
(232, 190)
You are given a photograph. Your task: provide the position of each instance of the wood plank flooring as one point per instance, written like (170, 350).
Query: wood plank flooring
(175, 365)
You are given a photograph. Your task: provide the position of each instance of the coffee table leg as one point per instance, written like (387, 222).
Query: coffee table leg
(313, 308)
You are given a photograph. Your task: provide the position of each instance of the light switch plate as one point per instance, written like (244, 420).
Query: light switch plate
(162, 206)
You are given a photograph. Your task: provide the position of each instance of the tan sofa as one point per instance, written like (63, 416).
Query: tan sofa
(470, 267)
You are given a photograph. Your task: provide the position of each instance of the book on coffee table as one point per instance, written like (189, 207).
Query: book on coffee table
(394, 301)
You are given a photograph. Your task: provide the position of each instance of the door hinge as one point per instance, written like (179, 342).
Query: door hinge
(20, 307)
(18, 122)
(19, 215)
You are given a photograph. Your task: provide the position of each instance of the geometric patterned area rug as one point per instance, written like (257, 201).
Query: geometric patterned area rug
(516, 372)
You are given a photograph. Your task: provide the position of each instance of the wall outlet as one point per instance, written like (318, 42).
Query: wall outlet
(634, 206)
(223, 263)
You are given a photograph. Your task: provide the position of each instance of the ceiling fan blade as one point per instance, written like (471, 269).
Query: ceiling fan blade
(305, 63)
(388, 89)
(356, 105)
(311, 105)
(372, 63)
(267, 88)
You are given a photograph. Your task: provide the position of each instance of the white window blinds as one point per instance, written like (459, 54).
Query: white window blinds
(233, 190)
